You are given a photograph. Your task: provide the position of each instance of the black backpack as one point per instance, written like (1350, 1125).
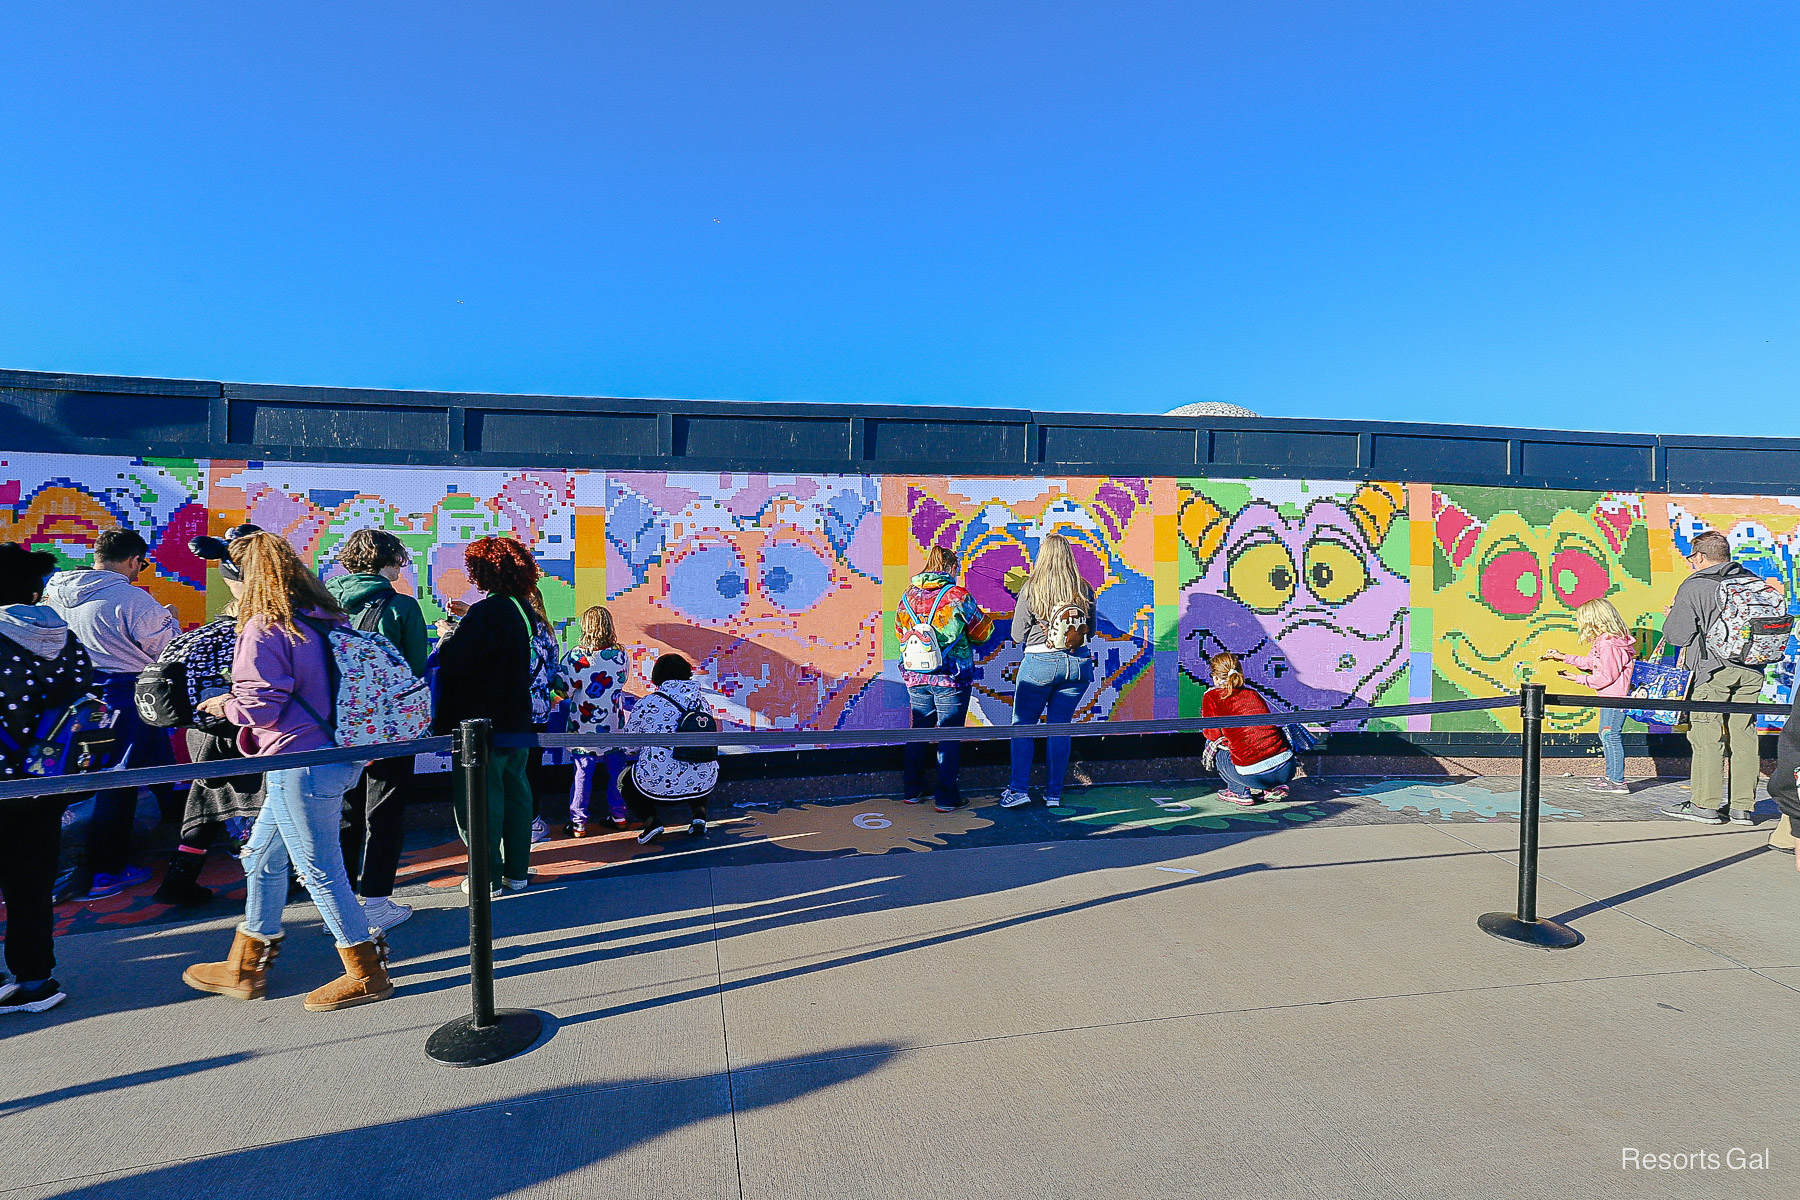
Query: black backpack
(162, 695)
(165, 692)
(694, 720)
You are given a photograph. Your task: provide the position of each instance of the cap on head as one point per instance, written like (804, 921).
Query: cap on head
(219, 549)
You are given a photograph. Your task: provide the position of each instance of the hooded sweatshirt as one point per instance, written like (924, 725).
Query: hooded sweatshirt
(1607, 667)
(268, 670)
(401, 621)
(121, 625)
(959, 624)
(657, 772)
(42, 669)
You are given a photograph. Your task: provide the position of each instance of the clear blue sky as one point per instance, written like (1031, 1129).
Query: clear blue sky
(1567, 213)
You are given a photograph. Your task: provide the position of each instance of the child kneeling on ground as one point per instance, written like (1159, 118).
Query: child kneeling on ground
(667, 782)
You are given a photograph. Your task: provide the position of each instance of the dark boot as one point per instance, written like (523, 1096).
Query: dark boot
(179, 886)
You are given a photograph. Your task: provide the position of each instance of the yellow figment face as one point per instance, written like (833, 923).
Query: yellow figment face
(1515, 597)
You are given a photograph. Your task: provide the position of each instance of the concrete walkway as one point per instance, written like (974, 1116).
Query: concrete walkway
(1306, 1011)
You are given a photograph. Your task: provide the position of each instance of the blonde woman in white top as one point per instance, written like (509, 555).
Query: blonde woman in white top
(1053, 621)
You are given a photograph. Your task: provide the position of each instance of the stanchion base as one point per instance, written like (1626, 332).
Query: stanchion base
(459, 1043)
(1542, 933)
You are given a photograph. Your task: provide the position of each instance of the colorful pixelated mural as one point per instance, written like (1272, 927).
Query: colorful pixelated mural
(1305, 581)
(769, 584)
(996, 524)
(782, 588)
(1764, 532)
(61, 502)
(434, 511)
(1503, 572)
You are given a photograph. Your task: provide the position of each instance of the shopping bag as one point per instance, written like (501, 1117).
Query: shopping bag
(1653, 680)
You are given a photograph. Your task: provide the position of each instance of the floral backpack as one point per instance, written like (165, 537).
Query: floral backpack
(375, 697)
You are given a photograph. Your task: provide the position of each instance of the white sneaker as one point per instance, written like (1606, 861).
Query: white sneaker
(1012, 799)
(1052, 801)
(383, 913)
(466, 892)
(540, 832)
(650, 835)
(517, 885)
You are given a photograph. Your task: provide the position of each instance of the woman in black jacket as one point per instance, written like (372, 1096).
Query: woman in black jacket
(485, 670)
(45, 669)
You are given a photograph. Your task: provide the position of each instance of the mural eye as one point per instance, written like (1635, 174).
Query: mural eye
(794, 578)
(1512, 583)
(1262, 576)
(1577, 577)
(1334, 573)
(710, 584)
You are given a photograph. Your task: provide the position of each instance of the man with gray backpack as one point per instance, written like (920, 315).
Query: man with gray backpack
(1730, 625)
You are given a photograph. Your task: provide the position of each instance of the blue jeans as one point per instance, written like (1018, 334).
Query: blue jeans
(1050, 683)
(1612, 742)
(300, 819)
(934, 707)
(109, 829)
(1262, 781)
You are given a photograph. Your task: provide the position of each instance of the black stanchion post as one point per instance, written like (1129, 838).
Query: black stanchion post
(1525, 926)
(486, 1035)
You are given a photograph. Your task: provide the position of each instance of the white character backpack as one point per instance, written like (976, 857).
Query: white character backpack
(920, 651)
(375, 697)
(1753, 624)
(1068, 628)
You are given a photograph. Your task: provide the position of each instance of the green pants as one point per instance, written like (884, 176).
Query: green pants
(1712, 734)
(510, 809)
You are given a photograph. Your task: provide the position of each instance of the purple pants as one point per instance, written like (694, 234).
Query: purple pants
(587, 766)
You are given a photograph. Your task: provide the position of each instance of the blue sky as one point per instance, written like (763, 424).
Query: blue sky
(1579, 215)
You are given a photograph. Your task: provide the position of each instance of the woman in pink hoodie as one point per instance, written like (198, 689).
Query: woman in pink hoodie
(1607, 669)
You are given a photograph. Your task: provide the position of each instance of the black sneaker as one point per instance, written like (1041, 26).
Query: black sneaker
(942, 807)
(38, 997)
(650, 834)
(1687, 810)
(1742, 816)
(697, 827)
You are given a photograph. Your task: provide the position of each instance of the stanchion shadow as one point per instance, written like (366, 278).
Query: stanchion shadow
(119, 1083)
(501, 1148)
(1650, 889)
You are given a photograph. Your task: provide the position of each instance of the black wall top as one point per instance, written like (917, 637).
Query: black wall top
(103, 414)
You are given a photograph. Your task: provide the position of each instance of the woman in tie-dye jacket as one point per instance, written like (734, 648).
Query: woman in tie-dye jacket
(940, 697)
(596, 669)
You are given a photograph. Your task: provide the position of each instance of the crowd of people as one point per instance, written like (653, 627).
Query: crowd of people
(262, 679)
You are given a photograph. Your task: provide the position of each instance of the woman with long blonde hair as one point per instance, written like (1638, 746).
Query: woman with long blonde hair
(281, 700)
(1606, 668)
(1053, 620)
(596, 670)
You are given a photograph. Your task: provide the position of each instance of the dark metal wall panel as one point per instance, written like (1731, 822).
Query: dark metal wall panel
(1114, 445)
(343, 427)
(598, 436)
(1282, 448)
(920, 444)
(1588, 460)
(767, 439)
(41, 418)
(1428, 456)
(1699, 467)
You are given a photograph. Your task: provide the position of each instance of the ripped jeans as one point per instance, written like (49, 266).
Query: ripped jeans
(300, 820)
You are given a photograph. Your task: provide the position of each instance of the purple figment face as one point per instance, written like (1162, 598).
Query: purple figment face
(1306, 603)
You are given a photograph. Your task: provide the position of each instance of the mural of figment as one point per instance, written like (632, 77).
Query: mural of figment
(60, 502)
(996, 524)
(769, 584)
(1764, 532)
(1304, 580)
(1508, 567)
(434, 511)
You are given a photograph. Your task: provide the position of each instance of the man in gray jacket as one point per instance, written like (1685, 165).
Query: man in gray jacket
(1715, 736)
(123, 629)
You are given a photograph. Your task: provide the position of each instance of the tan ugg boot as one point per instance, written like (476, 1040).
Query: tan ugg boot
(244, 973)
(364, 981)
(1782, 836)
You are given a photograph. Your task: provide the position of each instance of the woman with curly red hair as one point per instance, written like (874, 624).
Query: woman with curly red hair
(485, 670)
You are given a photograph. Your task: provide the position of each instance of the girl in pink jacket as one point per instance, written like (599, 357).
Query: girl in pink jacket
(1607, 669)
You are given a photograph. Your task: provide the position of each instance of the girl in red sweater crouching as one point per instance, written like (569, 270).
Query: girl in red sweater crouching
(1255, 761)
